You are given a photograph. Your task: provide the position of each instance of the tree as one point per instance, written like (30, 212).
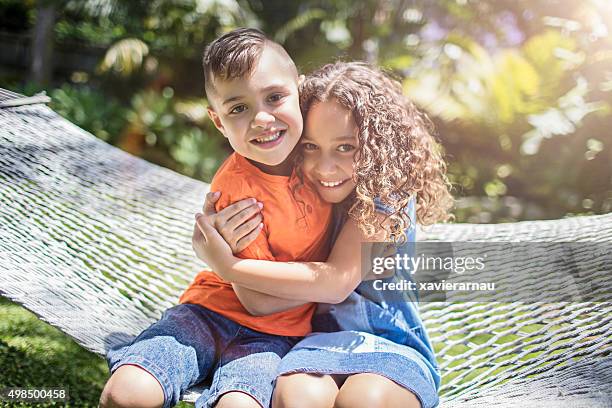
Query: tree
(42, 42)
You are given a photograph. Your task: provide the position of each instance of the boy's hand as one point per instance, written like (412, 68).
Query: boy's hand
(238, 223)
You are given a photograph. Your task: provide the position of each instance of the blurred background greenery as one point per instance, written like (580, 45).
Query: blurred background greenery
(520, 90)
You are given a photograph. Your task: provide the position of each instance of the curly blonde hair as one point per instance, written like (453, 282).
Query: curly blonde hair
(397, 158)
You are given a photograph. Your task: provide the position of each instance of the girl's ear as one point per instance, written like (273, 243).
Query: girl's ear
(215, 119)
(301, 79)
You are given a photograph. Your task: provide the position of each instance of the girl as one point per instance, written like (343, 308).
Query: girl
(367, 149)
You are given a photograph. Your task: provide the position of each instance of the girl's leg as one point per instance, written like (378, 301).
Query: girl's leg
(374, 391)
(304, 390)
(237, 399)
(131, 386)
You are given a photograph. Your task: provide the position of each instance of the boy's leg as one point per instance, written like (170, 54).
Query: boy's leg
(164, 360)
(131, 386)
(247, 367)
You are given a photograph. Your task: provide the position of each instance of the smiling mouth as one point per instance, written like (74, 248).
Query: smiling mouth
(332, 184)
(269, 139)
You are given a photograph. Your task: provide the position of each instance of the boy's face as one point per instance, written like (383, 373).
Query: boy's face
(260, 114)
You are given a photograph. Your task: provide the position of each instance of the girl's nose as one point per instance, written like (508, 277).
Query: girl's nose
(325, 167)
(262, 119)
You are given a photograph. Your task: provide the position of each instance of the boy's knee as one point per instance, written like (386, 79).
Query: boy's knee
(236, 399)
(131, 386)
(304, 391)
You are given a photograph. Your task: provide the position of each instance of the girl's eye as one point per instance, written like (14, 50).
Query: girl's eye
(238, 109)
(309, 147)
(344, 148)
(275, 97)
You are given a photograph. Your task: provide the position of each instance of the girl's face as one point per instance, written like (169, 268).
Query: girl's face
(329, 145)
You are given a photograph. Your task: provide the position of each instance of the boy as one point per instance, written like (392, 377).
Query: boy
(252, 87)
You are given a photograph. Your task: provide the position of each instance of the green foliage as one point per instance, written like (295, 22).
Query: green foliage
(297, 23)
(521, 99)
(125, 57)
(90, 109)
(498, 90)
(498, 115)
(85, 106)
(176, 134)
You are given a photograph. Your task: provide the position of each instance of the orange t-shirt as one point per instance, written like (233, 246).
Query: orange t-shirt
(296, 224)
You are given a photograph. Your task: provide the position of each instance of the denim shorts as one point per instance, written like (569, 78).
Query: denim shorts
(353, 352)
(190, 344)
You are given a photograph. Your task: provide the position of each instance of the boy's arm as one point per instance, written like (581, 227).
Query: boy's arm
(261, 304)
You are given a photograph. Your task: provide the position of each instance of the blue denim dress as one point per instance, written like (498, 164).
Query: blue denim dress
(372, 331)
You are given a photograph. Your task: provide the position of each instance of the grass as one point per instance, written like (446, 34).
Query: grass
(34, 354)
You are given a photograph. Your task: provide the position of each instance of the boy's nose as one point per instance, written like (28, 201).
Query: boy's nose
(262, 119)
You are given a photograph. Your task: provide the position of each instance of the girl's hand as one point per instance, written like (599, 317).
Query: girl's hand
(239, 223)
(209, 245)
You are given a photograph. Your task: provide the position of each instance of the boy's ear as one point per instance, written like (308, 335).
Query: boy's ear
(301, 79)
(215, 119)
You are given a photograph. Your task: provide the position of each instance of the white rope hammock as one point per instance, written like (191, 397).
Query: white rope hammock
(97, 243)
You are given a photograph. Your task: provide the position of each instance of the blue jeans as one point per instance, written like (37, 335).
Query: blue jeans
(191, 343)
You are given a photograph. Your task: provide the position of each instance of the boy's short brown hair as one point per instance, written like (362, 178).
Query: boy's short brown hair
(235, 54)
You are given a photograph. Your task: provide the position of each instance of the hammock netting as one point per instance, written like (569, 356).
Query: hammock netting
(97, 243)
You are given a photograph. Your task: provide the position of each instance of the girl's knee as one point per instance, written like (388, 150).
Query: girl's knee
(369, 397)
(131, 386)
(304, 390)
(236, 399)
(374, 391)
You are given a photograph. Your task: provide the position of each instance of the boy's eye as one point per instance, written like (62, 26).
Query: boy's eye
(309, 147)
(238, 109)
(344, 148)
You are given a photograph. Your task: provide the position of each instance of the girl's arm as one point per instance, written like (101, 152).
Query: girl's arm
(256, 303)
(328, 282)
